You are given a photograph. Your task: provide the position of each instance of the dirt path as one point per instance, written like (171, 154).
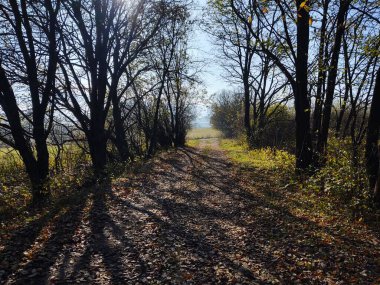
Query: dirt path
(190, 217)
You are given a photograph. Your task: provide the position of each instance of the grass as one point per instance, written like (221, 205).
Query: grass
(195, 135)
(192, 142)
(9, 155)
(336, 189)
(15, 186)
(203, 133)
(275, 169)
(263, 158)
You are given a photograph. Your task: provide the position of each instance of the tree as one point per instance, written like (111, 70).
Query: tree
(28, 64)
(134, 34)
(304, 152)
(331, 79)
(237, 48)
(225, 113)
(164, 58)
(179, 90)
(87, 47)
(304, 148)
(372, 147)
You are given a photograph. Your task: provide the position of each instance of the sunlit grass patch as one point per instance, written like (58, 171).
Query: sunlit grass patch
(262, 158)
(192, 143)
(67, 173)
(203, 133)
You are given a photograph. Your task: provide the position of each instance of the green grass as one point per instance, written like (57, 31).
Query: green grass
(192, 142)
(337, 187)
(69, 154)
(263, 158)
(14, 183)
(203, 133)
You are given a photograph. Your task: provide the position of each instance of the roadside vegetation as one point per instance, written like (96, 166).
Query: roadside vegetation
(305, 78)
(337, 188)
(75, 103)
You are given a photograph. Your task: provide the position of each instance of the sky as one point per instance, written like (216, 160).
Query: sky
(205, 50)
(202, 49)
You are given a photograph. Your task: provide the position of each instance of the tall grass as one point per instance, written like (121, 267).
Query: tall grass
(68, 171)
(339, 184)
(203, 133)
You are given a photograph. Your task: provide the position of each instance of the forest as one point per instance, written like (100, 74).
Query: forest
(104, 178)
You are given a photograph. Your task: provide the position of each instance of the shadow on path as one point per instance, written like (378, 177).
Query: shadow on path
(189, 219)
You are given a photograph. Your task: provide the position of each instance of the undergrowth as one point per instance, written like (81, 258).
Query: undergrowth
(192, 142)
(262, 158)
(339, 186)
(68, 183)
(342, 180)
(72, 171)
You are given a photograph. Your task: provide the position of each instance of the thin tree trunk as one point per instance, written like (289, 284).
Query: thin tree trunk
(247, 109)
(372, 148)
(153, 141)
(304, 152)
(346, 91)
(331, 80)
(317, 118)
(120, 140)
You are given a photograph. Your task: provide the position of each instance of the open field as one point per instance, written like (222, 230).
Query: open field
(203, 133)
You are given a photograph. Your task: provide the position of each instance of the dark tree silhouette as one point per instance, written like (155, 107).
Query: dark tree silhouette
(28, 64)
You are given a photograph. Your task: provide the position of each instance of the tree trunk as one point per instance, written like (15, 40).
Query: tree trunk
(346, 92)
(120, 140)
(304, 152)
(98, 155)
(153, 141)
(247, 107)
(37, 169)
(372, 149)
(317, 118)
(97, 142)
(331, 80)
(376, 191)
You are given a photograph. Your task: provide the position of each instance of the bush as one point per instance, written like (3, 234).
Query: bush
(278, 129)
(226, 114)
(341, 180)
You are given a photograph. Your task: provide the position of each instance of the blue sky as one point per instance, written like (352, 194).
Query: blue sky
(202, 49)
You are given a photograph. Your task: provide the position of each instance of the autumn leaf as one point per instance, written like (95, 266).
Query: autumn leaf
(265, 10)
(187, 276)
(304, 6)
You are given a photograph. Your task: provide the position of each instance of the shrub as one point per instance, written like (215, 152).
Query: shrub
(278, 130)
(341, 180)
(226, 114)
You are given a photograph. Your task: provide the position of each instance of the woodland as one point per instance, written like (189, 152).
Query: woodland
(105, 180)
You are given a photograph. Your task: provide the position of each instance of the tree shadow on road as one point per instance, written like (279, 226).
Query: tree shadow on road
(187, 219)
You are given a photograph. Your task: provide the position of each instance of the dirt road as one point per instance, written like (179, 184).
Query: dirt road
(188, 217)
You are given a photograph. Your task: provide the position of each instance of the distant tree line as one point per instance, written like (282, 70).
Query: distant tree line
(277, 131)
(104, 74)
(320, 56)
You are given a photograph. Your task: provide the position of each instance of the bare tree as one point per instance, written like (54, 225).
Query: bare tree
(331, 79)
(299, 57)
(163, 58)
(28, 64)
(372, 147)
